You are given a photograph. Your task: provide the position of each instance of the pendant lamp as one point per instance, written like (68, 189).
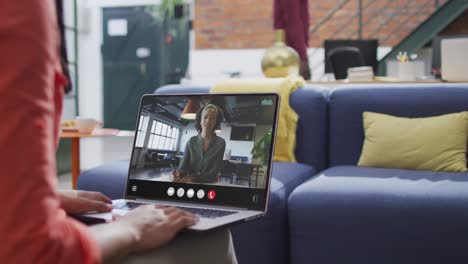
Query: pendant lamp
(191, 109)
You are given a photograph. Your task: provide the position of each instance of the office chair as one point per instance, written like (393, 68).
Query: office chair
(227, 172)
(244, 173)
(342, 58)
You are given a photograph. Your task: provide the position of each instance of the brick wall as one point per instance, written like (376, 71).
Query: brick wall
(247, 24)
(233, 24)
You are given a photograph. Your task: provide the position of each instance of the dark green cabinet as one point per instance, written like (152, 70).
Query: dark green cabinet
(140, 53)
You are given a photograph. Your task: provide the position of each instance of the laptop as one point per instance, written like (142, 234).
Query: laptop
(454, 59)
(225, 183)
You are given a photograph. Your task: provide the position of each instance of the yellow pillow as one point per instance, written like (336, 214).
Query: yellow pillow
(436, 143)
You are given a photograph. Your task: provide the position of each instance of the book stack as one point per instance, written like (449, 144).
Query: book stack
(360, 74)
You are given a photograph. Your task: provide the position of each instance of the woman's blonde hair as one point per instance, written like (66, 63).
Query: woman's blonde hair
(212, 107)
(219, 116)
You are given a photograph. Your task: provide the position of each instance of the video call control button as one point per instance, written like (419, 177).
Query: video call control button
(180, 192)
(200, 194)
(190, 193)
(211, 194)
(170, 191)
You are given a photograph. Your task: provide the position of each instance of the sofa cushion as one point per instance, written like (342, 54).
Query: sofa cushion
(271, 233)
(406, 100)
(367, 215)
(436, 143)
(109, 178)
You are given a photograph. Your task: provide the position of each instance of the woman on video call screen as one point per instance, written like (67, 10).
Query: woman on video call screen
(203, 155)
(220, 140)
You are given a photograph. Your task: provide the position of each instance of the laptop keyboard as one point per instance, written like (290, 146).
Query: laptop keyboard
(206, 213)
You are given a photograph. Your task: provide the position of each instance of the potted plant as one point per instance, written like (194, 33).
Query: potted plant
(167, 10)
(173, 8)
(261, 149)
(260, 152)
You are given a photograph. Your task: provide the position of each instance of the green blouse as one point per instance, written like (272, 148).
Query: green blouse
(203, 167)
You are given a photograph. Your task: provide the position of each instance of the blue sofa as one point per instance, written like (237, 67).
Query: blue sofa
(325, 209)
(350, 214)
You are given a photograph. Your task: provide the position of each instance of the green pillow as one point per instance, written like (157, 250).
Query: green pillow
(436, 143)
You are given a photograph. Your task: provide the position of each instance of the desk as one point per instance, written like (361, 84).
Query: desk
(75, 145)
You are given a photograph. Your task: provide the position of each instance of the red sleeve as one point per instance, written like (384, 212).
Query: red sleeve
(35, 229)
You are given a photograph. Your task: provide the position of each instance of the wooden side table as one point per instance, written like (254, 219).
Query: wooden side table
(75, 146)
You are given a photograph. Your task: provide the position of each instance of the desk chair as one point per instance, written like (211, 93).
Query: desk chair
(342, 58)
(244, 173)
(228, 170)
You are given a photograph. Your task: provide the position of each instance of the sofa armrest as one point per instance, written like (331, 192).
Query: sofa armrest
(311, 104)
(181, 89)
(110, 179)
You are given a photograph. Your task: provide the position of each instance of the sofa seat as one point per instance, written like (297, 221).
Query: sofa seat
(349, 214)
(109, 178)
(272, 230)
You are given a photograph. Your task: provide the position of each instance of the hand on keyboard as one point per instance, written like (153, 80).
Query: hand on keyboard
(206, 213)
(152, 226)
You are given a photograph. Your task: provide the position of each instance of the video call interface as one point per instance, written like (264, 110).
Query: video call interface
(217, 140)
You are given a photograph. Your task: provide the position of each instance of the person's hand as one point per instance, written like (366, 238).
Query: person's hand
(176, 176)
(77, 202)
(179, 177)
(154, 226)
(184, 179)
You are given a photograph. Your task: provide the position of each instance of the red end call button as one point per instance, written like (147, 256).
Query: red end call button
(211, 194)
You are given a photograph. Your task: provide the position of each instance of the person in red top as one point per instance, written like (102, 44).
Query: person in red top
(34, 226)
(293, 17)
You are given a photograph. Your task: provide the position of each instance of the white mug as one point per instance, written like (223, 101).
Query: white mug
(86, 124)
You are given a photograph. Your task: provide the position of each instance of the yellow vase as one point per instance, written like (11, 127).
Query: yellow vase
(280, 60)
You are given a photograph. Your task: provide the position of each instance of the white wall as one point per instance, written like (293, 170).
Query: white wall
(209, 66)
(185, 134)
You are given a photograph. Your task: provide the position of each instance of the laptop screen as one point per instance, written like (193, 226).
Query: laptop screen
(212, 149)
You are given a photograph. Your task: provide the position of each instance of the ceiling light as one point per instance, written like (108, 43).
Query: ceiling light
(191, 109)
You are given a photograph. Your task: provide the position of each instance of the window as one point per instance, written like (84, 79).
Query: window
(141, 133)
(71, 41)
(163, 136)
